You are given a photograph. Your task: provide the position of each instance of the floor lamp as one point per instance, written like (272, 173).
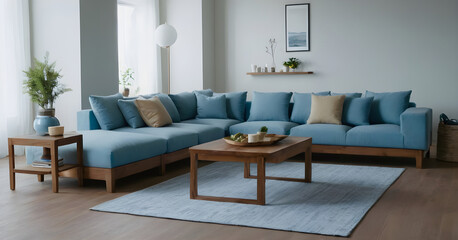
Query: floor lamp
(166, 35)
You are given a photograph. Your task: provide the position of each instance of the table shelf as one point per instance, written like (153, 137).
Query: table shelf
(38, 170)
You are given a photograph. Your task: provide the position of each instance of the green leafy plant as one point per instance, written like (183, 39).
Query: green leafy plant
(42, 83)
(127, 78)
(263, 129)
(292, 63)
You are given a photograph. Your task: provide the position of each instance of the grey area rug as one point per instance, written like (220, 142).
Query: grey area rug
(333, 204)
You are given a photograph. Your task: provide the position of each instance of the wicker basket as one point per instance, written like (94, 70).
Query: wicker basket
(447, 142)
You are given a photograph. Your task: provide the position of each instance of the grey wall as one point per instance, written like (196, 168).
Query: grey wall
(99, 49)
(387, 45)
(208, 43)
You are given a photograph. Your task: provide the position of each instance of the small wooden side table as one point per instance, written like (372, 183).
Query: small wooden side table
(51, 143)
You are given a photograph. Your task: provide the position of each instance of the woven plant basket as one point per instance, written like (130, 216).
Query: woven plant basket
(447, 142)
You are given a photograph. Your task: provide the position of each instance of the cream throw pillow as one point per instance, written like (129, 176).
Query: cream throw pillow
(153, 112)
(326, 109)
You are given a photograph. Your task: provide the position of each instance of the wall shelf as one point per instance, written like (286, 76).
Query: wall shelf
(277, 73)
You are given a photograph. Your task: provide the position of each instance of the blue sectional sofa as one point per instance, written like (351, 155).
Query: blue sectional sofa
(110, 154)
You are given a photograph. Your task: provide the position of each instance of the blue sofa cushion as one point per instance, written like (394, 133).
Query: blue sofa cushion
(270, 106)
(352, 95)
(108, 149)
(379, 135)
(235, 104)
(303, 105)
(327, 134)
(186, 103)
(356, 111)
(168, 104)
(130, 113)
(211, 107)
(176, 138)
(107, 112)
(206, 92)
(276, 127)
(387, 107)
(206, 133)
(220, 123)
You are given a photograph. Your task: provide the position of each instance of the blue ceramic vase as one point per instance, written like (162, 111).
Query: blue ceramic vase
(45, 119)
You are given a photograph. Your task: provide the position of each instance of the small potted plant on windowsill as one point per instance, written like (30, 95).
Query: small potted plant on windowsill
(42, 84)
(262, 133)
(126, 81)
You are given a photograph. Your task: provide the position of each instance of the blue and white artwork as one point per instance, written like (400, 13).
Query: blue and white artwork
(297, 27)
(297, 39)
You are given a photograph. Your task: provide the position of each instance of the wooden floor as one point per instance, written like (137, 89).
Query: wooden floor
(421, 204)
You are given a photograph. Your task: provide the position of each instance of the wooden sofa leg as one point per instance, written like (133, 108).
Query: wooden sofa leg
(419, 159)
(110, 182)
(162, 166)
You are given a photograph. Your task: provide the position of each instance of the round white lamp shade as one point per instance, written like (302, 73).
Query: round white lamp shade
(166, 35)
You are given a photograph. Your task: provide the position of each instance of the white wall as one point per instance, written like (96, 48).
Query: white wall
(356, 45)
(186, 53)
(55, 27)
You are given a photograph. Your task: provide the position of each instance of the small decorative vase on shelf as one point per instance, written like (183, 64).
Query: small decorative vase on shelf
(292, 69)
(285, 69)
(45, 119)
(126, 92)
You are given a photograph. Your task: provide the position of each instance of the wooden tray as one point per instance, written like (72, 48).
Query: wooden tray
(273, 139)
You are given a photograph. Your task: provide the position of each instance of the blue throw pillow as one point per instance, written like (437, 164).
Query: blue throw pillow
(352, 95)
(270, 106)
(186, 103)
(130, 112)
(211, 107)
(387, 107)
(235, 104)
(107, 112)
(302, 106)
(168, 104)
(206, 92)
(356, 111)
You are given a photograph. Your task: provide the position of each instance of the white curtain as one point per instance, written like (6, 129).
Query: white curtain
(16, 109)
(137, 21)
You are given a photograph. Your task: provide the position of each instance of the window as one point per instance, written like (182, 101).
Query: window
(136, 47)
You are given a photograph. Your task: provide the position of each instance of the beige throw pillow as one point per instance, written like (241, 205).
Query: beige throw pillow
(326, 109)
(153, 112)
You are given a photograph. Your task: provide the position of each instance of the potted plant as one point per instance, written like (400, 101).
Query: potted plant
(293, 63)
(42, 85)
(262, 133)
(286, 66)
(126, 81)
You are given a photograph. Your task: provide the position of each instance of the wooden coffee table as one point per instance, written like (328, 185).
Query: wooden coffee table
(220, 151)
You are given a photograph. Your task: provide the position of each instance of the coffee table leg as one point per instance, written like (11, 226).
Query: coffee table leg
(261, 194)
(12, 173)
(193, 173)
(246, 170)
(55, 168)
(308, 165)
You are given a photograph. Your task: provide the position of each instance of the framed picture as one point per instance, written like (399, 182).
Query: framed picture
(297, 27)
